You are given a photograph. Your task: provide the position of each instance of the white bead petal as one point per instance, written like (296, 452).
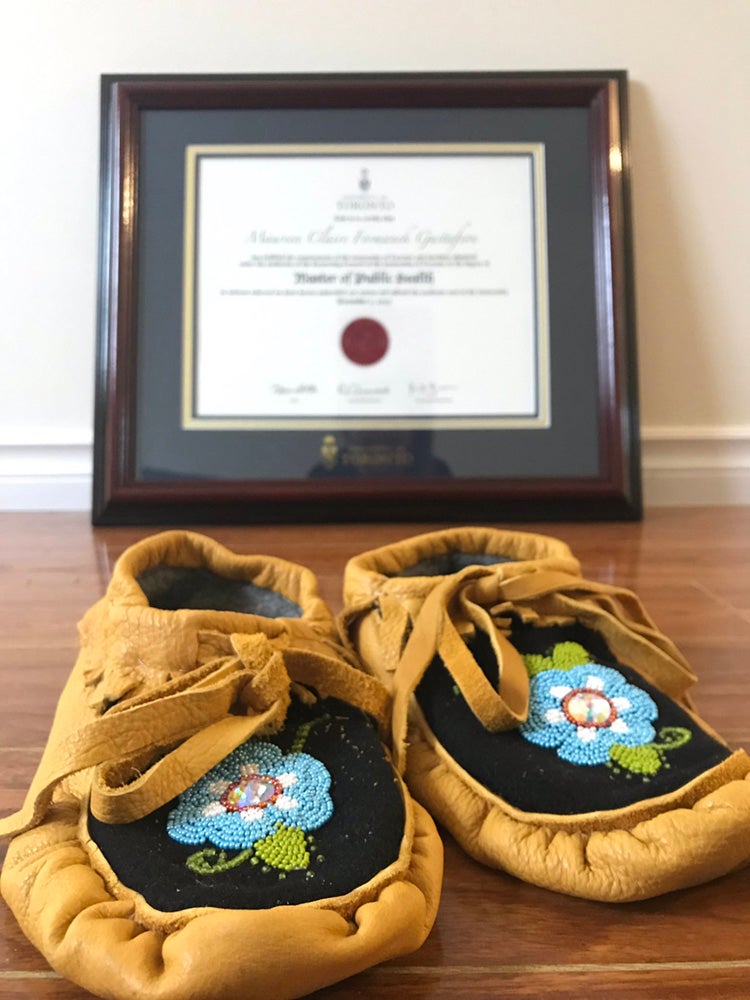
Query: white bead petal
(554, 715)
(586, 734)
(595, 682)
(248, 770)
(213, 809)
(286, 802)
(620, 726)
(287, 779)
(560, 690)
(217, 788)
(621, 704)
(251, 815)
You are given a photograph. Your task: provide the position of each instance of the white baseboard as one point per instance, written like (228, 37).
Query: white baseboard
(682, 466)
(696, 466)
(45, 476)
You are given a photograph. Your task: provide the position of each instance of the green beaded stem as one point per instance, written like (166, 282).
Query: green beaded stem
(673, 737)
(201, 865)
(303, 731)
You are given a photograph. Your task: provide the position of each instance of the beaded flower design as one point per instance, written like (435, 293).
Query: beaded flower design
(259, 801)
(586, 711)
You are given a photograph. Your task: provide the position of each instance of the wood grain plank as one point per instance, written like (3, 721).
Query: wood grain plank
(568, 982)
(29, 701)
(694, 982)
(18, 769)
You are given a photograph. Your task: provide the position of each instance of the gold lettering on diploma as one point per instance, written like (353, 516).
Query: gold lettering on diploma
(364, 455)
(375, 455)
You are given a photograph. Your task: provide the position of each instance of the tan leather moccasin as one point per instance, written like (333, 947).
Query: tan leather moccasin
(214, 815)
(543, 719)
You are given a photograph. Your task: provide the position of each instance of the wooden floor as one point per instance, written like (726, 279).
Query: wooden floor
(495, 936)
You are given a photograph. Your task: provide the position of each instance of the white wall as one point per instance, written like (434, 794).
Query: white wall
(690, 94)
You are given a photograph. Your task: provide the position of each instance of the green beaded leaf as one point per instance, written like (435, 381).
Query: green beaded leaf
(650, 758)
(536, 663)
(567, 655)
(564, 656)
(286, 850)
(644, 760)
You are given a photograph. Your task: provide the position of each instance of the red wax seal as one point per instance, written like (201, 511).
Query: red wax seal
(364, 341)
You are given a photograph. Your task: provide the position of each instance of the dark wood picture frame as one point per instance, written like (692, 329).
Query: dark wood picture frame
(612, 490)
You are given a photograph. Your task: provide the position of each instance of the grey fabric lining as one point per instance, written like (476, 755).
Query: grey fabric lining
(174, 587)
(452, 562)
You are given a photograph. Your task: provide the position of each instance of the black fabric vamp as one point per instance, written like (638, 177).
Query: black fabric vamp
(534, 778)
(361, 838)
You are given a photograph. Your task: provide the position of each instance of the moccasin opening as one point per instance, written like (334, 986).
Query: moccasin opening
(452, 562)
(172, 587)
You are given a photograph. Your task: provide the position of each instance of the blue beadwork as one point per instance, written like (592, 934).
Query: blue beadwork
(585, 711)
(296, 796)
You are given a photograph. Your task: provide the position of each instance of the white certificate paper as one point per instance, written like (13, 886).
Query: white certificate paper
(365, 286)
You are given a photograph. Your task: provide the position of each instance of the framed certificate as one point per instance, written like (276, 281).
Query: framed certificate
(364, 298)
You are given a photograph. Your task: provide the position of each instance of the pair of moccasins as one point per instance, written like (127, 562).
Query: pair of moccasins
(216, 813)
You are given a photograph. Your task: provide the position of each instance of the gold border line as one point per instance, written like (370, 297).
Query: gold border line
(355, 148)
(360, 423)
(188, 288)
(542, 287)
